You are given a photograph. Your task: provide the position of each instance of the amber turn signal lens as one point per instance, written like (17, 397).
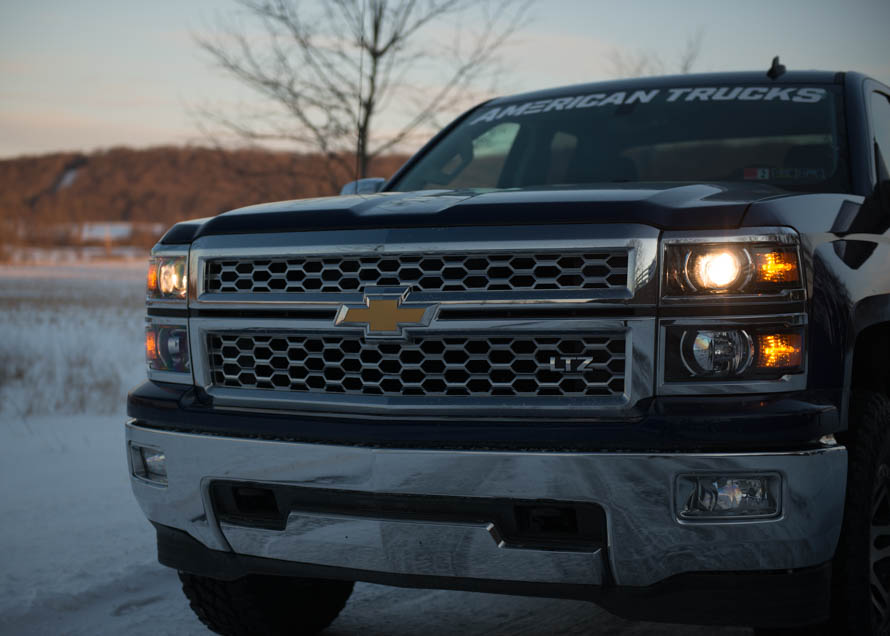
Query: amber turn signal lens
(151, 345)
(779, 350)
(152, 280)
(776, 267)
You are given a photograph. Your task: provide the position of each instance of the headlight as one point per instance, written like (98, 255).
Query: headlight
(732, 312)
(167, 348)
(732, 351)
(756, 265)
(167, 277)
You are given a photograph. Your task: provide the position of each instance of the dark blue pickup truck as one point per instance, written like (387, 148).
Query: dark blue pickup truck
(625, 342)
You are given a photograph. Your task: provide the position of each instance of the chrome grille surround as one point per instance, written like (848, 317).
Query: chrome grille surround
(438, 272)
(438, 365)
(308, 316)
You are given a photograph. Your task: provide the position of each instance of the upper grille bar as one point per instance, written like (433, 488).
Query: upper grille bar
(602, 264)
(435, 273)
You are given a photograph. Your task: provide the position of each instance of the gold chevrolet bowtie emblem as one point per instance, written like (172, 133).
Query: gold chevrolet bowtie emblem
(384, 314)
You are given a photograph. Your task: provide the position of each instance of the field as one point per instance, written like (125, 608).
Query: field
(78, 555)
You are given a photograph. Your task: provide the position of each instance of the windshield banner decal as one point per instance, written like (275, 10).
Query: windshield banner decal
(806, 95)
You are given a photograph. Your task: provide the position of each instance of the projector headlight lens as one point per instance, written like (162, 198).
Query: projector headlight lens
(714, 269)
(717, 353)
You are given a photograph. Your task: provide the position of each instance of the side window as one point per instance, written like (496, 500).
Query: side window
(880, 112)
(490, 150)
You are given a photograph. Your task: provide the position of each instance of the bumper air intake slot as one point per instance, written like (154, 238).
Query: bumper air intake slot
(521, 524)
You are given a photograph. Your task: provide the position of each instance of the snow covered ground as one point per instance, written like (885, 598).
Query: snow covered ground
(76, 554)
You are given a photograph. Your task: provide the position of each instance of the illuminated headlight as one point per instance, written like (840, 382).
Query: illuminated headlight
(715, 269)
(727, 352)
(716, 497)
(730, 268)
(167, 348)
(167, 277)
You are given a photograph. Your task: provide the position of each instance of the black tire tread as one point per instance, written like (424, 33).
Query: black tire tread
(867, 445)
(271, 605)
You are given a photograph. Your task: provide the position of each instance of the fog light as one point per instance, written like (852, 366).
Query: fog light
(149, 464)
(703, 497)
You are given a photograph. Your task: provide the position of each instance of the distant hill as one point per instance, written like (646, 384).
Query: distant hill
(39, 194)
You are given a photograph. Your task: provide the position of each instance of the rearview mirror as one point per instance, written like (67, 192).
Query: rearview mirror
(363, 186)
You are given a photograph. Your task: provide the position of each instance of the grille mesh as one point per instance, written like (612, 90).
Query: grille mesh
(424, 273)
(425, 366)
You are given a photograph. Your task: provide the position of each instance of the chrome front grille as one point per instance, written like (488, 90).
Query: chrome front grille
(514, 313)
(528, 365)
(437, 272)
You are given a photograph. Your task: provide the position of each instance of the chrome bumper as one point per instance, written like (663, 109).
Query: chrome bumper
(646, 541)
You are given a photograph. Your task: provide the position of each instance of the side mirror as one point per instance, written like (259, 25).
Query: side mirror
(363, 186)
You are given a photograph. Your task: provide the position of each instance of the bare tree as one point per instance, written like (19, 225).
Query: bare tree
(640, 63)
(329, 69)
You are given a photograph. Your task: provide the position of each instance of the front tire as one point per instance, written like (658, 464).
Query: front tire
(265, 604)
(862, 567)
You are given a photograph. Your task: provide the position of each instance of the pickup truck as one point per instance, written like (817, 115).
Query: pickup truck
(624, 342)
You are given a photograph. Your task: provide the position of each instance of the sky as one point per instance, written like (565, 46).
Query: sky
(93, 74)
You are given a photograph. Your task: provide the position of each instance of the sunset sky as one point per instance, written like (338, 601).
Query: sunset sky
(95, 74)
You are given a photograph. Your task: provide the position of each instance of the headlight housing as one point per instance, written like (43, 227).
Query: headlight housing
(167, 278)
(734, 350)
(703, 266)
(732, 313)
(167, 347)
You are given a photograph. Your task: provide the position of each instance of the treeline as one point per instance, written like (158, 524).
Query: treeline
(155, 185)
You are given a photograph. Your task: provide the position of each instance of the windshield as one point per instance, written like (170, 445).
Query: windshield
(787, 136)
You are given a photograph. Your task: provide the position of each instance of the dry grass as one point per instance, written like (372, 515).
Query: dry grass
(70, 339)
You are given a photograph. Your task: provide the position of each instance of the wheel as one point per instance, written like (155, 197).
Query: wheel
(861, 591)
(265, 604)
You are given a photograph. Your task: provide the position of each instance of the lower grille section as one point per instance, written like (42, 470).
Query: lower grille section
(434, 366)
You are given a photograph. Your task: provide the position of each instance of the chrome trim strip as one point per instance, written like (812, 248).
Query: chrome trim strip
(646, 541)
(793, 382)
(640, 241)
(638, 372)
(778, 234)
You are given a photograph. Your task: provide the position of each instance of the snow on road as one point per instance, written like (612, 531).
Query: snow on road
(78, 557)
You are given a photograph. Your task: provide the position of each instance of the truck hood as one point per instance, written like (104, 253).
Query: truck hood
(661, 205)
